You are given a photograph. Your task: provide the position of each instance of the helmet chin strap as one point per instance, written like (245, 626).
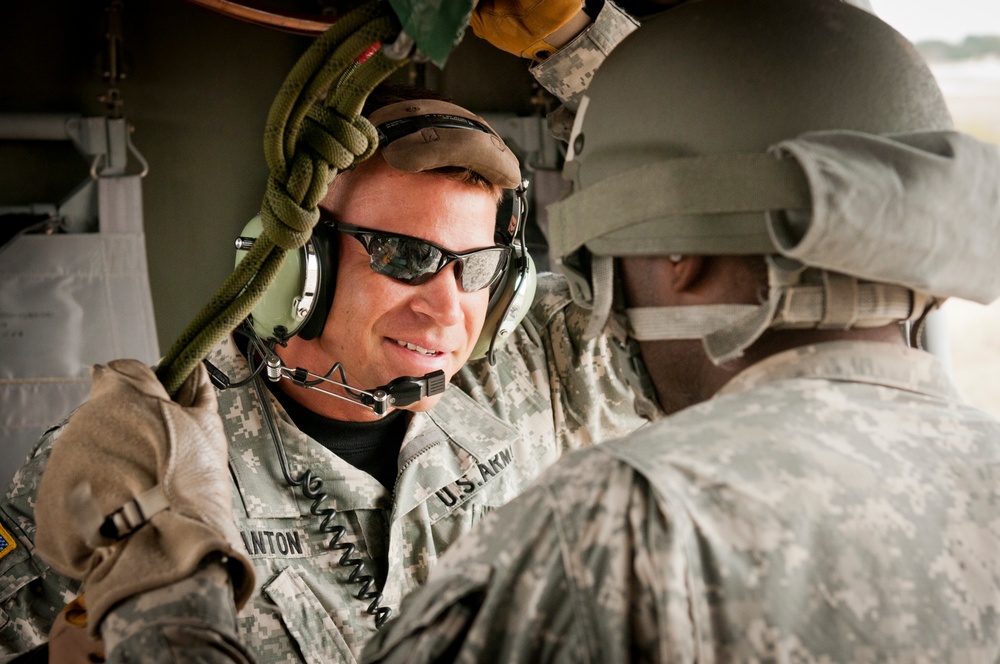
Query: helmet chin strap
(798, 298)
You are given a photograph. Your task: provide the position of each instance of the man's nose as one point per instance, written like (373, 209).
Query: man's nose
(441, 296)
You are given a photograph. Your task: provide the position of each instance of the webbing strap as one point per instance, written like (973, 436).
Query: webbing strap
(135, 513)
(99, 529)
(603, 275)
(685, 185)
(840, 299)
(728, 329)
(688, 322)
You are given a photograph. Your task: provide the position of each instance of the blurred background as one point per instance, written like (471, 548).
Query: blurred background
(961, 41)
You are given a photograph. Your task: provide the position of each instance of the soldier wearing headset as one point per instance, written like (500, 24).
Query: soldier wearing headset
(351, 467)
(819, 491)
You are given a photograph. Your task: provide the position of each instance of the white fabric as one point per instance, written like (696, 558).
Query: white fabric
(898, 224)
(68, 301)
(794, 301)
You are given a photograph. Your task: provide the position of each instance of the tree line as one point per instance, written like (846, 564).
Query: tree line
(973, 46)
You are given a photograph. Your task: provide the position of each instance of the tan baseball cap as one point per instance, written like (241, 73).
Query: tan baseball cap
(423, 134)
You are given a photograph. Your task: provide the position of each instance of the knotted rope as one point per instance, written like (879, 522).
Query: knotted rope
(314, 130)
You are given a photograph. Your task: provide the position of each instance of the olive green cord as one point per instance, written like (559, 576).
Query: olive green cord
(314, 130)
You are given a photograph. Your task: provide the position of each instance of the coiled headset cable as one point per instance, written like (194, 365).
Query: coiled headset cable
(311, 486)
(309, 483)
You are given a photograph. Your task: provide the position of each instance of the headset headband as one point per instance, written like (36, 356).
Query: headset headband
(414, 136)
(393, 129)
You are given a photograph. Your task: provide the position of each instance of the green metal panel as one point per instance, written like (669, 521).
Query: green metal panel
(435, 25)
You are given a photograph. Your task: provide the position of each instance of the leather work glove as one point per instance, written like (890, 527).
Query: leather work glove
(137, 490)
(532, 29)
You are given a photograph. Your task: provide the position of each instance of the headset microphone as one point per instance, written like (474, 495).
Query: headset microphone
(414, 136)
(398, 393)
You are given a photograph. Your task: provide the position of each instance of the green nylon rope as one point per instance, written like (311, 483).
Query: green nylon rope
(314, 130)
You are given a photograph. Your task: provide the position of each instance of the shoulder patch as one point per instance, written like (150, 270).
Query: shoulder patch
(7, 542)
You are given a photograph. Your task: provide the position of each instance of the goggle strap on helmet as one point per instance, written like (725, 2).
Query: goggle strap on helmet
(876, 233)
(685, 186)
(865, 218)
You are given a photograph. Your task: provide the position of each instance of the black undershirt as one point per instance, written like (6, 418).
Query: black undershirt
(372, 447)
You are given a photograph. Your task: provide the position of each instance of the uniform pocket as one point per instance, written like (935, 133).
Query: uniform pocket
(318, 638)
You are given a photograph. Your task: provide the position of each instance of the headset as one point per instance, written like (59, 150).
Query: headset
(299, 299)
(298, 303)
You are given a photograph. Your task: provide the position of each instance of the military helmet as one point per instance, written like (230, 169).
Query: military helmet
(673, 149)
(724, 77)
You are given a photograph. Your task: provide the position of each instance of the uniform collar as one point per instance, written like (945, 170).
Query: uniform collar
(872, 362)
(447, 442)
(456, 438)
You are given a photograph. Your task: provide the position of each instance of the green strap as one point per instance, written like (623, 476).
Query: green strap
(701, 185)
(313, 131)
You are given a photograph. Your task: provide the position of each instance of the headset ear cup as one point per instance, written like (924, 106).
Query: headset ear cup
(508, 307)
(327, 250)
(298, 299)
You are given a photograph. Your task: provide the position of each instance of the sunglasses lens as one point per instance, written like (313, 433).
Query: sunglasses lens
(406, 260)
(480, 269)
(415, 262)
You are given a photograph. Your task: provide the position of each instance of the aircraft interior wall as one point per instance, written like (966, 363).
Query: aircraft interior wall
(196, 93)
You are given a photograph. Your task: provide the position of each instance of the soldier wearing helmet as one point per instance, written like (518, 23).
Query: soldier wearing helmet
(768, 200)
(765, 203)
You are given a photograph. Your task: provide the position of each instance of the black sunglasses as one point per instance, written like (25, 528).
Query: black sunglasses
(414, 261)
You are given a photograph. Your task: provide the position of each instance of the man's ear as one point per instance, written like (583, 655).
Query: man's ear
(686, 272)
(657, 281)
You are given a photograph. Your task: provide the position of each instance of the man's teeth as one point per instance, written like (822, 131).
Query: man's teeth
(416, 348)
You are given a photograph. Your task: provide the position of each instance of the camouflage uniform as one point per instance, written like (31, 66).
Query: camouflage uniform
(31, 593)
(477, 449)
(833, 503)
(196, 612)
(541, 393)
(568, 71)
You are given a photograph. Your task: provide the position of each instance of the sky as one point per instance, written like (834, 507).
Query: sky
(948, 20)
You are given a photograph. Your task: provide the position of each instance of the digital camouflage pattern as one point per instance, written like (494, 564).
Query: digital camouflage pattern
(196, 613)
(492, 432)
(31, 593)
(568, 71)
(833, 503)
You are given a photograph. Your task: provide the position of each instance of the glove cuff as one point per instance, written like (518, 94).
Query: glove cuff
(167, 549)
